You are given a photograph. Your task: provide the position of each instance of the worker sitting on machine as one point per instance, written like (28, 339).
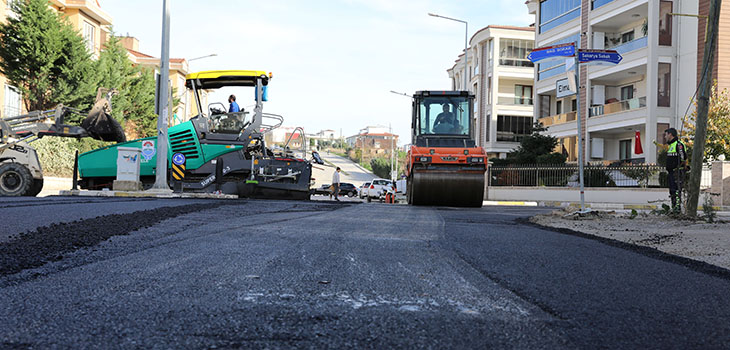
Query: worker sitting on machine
(446, 122)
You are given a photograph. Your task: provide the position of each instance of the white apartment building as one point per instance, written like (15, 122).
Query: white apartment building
(649, 91)
(501, 78)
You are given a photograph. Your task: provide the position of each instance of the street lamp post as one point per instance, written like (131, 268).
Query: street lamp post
(466, 45)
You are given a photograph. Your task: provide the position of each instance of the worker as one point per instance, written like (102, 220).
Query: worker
(445, 121)
(336, 183)
(233, 106)
(676, 166)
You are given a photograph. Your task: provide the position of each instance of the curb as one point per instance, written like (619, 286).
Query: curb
(144, 194)
(511, 203)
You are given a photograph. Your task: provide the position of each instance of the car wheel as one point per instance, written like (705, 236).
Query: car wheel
(351, 194)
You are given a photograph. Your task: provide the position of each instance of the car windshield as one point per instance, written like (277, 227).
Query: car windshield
(444, 116)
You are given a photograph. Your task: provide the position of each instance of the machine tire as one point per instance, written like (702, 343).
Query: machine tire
(35, 188)
(15, 180)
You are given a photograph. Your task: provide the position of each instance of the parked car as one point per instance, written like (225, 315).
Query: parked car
(322, 190)
(348, 189)
(377, 186)
(364, 190)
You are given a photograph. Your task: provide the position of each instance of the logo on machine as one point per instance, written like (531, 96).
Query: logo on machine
(148, 149)
(449, 159)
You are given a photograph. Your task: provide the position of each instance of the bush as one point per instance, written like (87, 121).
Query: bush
(381, 167)
(56, 154)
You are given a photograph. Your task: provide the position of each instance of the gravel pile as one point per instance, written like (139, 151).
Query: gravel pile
(50, 243)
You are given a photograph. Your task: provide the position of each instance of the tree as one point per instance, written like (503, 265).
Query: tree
(718, 125)
(534, 149)
(45, 58)
(381, 167)
(135, 103)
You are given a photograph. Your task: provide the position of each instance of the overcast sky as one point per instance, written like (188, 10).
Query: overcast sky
(334, 62)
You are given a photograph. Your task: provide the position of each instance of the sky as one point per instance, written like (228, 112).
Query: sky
(334, 62)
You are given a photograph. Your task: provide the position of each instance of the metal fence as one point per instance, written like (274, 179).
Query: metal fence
(627, 176)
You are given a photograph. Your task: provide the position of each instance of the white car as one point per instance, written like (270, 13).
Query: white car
(377, 186)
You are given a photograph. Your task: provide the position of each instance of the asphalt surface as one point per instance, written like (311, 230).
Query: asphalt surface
(278, 274)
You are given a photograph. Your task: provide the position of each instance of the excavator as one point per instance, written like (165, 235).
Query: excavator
(21, 173)
(224, 152)
(445, 166)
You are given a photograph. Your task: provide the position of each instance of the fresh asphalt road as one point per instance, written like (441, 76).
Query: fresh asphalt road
(278, 274)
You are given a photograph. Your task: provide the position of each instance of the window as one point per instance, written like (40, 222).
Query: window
(559, 107)
(624, 149)
(627, 92)
(665, 84)
(12, 101)
(665, 23)
(513, 128)
(553, 68)
(489, 90)
(523, 95)
(444, 115)
(89, 31)
(9, 8)
(628, 36)
(491, 50)
(573, 105)
(544, 106)
(513, 52)
(556, 12)
(487, 126)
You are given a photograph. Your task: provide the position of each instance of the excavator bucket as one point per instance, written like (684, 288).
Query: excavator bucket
(100, 124)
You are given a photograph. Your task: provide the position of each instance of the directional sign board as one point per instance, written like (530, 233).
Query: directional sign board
(610, 56)
(178, 158)
(551, 52)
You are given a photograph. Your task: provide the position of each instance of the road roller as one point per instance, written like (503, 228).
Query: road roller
(445, 166)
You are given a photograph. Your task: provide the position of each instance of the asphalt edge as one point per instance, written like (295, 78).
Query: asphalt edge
(695, 265)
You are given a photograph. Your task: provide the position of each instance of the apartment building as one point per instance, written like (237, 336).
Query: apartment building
(649, 91)
(501, 78)
(374, 140)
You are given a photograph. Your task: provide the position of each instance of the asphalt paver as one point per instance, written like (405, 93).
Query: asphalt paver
(282, 274)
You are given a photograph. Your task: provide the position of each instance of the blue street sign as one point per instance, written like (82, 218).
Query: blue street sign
(543, 53)
(609, 56)
(178, 158)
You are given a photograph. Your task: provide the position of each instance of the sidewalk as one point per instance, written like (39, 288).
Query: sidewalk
(709, 243)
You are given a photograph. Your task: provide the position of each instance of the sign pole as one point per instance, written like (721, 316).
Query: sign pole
(579, 134)
(162, 97)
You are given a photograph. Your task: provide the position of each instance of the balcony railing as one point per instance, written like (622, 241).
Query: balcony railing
(557, 119)
(631, 45)
(515, 62)
(514, 101)
(598, 3)
(617, 107)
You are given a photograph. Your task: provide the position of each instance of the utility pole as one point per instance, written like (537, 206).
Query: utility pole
(163, 103)
(698, 151)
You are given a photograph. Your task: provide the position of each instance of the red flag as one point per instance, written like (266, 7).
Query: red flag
(637, 144)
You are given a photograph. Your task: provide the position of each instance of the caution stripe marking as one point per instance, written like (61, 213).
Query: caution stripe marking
(178, 172)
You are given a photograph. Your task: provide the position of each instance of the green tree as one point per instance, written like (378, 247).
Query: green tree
(134, 105)
(718, 125)
(381, 167)
(534, 149)
(43, 56)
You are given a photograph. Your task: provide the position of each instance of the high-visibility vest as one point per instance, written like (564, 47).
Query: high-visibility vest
(673, 148)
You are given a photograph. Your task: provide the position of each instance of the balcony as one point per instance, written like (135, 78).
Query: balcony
(558, 119)
(514, 101)
(618, 107)
(512, 62)
(631, 45)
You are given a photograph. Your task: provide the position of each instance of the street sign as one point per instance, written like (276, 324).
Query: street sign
(178, 158)
(610, 56)
(562, 88)
(548, 52)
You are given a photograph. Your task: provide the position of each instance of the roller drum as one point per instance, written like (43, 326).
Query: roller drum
(447, 188)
